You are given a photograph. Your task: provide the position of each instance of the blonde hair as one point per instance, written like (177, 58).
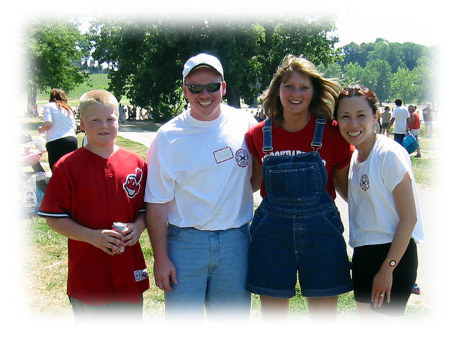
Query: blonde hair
(325, 90)
(97, 97)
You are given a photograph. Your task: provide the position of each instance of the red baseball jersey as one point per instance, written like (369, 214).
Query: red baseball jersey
(95, 192)
(335, 151)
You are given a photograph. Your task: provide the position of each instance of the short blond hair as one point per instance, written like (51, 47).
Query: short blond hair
(97, 97)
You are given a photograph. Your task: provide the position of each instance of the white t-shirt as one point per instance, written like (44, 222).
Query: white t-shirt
(63, 122)
(401, 115)
(373, 217)
(203, 169)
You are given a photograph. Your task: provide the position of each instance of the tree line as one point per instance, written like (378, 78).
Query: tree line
(392, 70)
(145, 58)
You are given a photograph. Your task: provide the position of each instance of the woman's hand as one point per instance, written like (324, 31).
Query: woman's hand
(382, 284)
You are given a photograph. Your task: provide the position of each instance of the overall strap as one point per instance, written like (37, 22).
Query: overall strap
(316, 143)
(318, 134)
(267, 136)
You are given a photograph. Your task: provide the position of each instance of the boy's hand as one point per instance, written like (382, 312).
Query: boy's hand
(134, 230)
(106, 240)
(132, 235)
(109, 241)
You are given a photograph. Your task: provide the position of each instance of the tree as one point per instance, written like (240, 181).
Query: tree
(404, 85)
(427, 80)
(332, 70)
(413, 53)
(350, 54)
(396, 54)
(353, 73)
(381, 83)
(53, 54)
(147, 58)
(392, 69)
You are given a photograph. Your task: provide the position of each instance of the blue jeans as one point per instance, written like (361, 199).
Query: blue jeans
(211, 271)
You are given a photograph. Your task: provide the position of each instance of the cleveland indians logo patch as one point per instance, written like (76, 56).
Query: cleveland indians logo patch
(364, 183)
(132, 184)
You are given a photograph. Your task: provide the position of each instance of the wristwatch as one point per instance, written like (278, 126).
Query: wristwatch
(392, 263)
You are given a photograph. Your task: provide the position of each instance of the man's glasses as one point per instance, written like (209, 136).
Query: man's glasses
(198, 88)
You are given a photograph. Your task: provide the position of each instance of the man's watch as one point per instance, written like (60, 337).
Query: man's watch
(392, 263)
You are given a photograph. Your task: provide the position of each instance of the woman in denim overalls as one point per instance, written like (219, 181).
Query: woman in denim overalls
(297, 227)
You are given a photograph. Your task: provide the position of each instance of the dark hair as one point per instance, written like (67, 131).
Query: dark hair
(398, 102)
(357, 90)
(60, 98)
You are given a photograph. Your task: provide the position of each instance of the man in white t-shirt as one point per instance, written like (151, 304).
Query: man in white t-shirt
(200, 200)
(400, 119)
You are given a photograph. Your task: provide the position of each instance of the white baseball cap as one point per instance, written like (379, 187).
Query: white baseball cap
(202, 60)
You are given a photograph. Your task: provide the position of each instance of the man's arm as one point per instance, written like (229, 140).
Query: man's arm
(391, 122)
(156, 218)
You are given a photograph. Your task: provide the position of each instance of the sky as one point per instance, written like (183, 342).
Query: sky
(420, 26)
(395, 21)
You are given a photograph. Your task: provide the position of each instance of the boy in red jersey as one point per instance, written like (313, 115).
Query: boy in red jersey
(90, 189)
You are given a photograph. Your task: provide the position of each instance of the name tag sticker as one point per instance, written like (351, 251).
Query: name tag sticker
(223, 155)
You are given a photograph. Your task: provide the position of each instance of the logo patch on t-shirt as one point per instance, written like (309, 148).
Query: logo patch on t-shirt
(141, 274)
(364, 183)
(242, 157)
(132, 184)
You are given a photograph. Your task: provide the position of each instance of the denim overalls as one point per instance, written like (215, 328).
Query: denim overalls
(297, 228)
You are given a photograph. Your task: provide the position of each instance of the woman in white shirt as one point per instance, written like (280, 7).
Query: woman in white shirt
(59, 123)
(384, 213)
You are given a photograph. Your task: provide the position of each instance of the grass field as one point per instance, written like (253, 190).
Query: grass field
(46, 255)
(95, 81)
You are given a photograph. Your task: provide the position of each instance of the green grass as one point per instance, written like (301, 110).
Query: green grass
(424, 167)
(46, 255)
(95, 81)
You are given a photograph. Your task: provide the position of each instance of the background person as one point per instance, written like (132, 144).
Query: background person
(60, 126)
(400, 120)
(428, 117)
(414, 126)
(386, 118)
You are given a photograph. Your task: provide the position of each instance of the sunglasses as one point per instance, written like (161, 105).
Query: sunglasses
(198, 88)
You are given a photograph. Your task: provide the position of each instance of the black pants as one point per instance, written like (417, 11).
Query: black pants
(59, 147)
(367, 261)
